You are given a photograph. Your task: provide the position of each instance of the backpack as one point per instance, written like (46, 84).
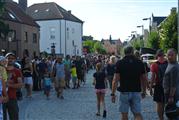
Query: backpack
(161, 71)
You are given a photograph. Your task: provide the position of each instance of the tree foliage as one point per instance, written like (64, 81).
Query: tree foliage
(99, 48)
(168, 32)
(90, 44)
(137, 43)
(153, 40)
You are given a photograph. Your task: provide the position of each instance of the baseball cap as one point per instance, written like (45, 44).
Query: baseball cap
(10, 53)
(2, 58)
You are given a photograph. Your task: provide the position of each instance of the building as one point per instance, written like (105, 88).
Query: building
(155, 22)
(61, 32)
(24, 31)
(112, 46)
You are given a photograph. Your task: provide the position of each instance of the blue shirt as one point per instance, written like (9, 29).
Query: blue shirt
(60, 72)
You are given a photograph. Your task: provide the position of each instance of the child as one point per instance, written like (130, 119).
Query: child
(74, 76)
(47, 84)
(100, 85)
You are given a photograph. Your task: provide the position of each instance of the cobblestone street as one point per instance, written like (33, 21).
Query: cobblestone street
(79, 104)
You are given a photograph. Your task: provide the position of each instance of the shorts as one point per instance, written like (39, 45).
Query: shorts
(74, 79)
(28, 80)
(103, 91)
(130, 100)
(59, 82)
(47, 88)
(159, 94)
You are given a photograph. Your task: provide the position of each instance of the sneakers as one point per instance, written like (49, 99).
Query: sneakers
(104, 114)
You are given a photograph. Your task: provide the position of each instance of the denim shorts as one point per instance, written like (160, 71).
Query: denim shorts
(130, 100)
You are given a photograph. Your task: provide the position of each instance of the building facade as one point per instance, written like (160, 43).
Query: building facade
(23, 31)
(61, 32)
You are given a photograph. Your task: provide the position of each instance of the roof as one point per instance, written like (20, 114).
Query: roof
(50, 11)
(14, 13)
(158, 20)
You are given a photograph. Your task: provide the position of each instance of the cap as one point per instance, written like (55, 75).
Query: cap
(2, 58)
(10, 53)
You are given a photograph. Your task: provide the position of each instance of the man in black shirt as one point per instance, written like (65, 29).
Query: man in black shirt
(131, 75)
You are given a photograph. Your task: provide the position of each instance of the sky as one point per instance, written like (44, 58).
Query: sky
(117, 18)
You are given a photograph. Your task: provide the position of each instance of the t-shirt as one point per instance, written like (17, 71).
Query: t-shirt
(13, 75)
(73, 72)
(155, 69)
(100, 79)
(3, 73)
(60, 70)
(110, 69)
(47, 81)
(171, 79)
(130, 70)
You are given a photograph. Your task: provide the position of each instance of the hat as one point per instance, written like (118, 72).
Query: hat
(10, 53)
(2, 58)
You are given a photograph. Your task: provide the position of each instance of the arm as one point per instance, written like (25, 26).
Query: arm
(143, 84)
(115, 82)
(173, 82)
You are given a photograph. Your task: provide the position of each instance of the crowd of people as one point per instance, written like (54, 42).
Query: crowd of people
(128, 75)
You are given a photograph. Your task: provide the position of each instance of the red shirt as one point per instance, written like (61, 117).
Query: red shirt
(154, 69)
(14, 75)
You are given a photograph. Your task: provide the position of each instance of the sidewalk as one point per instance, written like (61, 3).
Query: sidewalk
(79, 104)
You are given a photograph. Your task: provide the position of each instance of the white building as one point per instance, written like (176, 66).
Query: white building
(59, 29)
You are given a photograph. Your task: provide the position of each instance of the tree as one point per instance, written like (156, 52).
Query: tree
(153, 40)
(137, 43)
(90, 44)
(99, 48)
(168, 32)
(4, 28)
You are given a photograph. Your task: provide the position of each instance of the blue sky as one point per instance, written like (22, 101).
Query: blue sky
(114, 17)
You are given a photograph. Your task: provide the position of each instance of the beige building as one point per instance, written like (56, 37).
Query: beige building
(24, 31)
(112, 46)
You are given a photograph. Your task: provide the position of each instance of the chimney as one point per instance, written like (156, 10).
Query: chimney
(23, 4)
(69, 11)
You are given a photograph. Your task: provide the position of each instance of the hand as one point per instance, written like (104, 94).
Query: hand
(170, 100)
(113, 99)
(5, 99)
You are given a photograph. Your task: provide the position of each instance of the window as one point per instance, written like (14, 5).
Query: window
(25, 37)
(68, 34)
(36, 11)
(52, 33)
(73, 30)
(34, 38)
(12, 16)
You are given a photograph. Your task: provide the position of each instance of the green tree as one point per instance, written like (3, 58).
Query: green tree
(4, 28)
(153, 40)
(90, 44)
(99, 48)
(168, 32)
(137, 43)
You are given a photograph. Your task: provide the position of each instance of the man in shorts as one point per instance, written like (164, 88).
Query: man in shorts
(130, 73)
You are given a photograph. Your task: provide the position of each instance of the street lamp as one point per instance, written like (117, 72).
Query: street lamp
(142, 26)
(149, 23)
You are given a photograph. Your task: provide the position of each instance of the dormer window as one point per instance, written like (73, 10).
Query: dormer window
(12, 16)
(36, 11)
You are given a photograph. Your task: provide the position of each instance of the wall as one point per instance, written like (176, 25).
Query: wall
(65, 33)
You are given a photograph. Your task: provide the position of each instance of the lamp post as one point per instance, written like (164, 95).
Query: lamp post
(149, 23)
(142, 26)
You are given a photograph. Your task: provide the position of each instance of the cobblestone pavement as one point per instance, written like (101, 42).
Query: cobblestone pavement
(79, 104)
